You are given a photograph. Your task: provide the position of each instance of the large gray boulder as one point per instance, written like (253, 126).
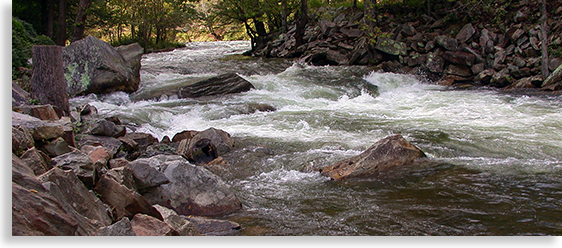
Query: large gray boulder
(93, 66)
(392, 151)
(193, 190)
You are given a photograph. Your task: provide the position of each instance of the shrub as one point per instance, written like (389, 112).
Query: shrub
(23, 38)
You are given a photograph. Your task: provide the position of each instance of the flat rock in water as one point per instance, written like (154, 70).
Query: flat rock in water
(220, 85)
(392, 151)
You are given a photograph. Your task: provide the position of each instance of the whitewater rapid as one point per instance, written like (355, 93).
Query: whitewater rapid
(497, 156)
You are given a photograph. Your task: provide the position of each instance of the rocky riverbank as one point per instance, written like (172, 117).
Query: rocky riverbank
(86, 175)
(503, 56)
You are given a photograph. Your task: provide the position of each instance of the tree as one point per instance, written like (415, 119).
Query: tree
(544, 40)
(80, 21)
(61, 36)
(48, 84)
(301, 23)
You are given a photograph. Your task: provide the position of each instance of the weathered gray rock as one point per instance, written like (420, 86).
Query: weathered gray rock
(220, 85)
(485, 76)
(459, 58)
(37, 160)
(21, 140)
(56, 147)
(526, 83)
(34, 211)
(187, 134)
(142, 139)
(178, 223)
(501, 79)
(450, 44)
(106, 128)
(198, 152)
(144, 225)
(125, 202)
(554, 81)
(77, 201)
(19, 96)
(80, 163)
(392, 151)
(213, 227)
(435, 63)
(124, 176)
(466, 33)
(132, 54)
(112, 145)
(391, 46)
(94, 66)
(43, 112)
(120, 228)
(458, 70)
(192, 190)
(219, 138)
(146, 176)
(39, 129)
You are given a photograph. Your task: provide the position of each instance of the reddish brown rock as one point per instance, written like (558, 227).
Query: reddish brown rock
(144, 225)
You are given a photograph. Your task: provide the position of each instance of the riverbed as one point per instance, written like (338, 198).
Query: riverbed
(495, 158)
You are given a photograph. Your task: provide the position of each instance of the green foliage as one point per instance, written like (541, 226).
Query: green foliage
(151, 23)
(23, 38)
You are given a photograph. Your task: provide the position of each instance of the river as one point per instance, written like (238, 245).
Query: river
(496, 158)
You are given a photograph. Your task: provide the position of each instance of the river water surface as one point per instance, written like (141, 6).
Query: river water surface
(496, 158)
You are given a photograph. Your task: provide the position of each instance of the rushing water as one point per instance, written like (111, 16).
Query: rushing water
(496, 158)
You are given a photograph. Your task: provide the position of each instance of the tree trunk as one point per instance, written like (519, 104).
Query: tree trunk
(61, 37)
(370, 14)
(48, 84)
(301, 24)
(284, 16)
(80, 22)
(544, 40)
(51, 19)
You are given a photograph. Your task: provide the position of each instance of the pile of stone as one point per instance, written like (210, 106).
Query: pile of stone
(87, 175)
(478, 54)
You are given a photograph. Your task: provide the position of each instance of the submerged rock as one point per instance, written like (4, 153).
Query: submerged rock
(392, 151)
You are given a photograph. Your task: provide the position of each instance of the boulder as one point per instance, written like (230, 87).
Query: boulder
(39, 129)
(132, 54)
(80, 163)
(178, 223)
(120, 228)
(142, 139)
(94, 66)
(526, 83)
(124, 176)
(106, 128)
(192, 190)
(21, 140)
(56, 147)
(199, 152)
(144, 225)
(37, 160)
(43, 112)
(125, 202)
(434, 63)
(98, 154)
(501, 79)
(111, 145)
(187, 134)
(458, 70)
(77, 201)
(459, 57)
(146, 176)
(219, 138)
(466, 33)
(554, 81)
(220, 85)
(213, 227)
(485, 76)
(34, 210)
(391, 46)
(450, 44)
(20, 97)
(392, 151)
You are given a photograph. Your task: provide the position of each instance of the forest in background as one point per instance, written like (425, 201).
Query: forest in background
(161, 23)
(164, 24)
